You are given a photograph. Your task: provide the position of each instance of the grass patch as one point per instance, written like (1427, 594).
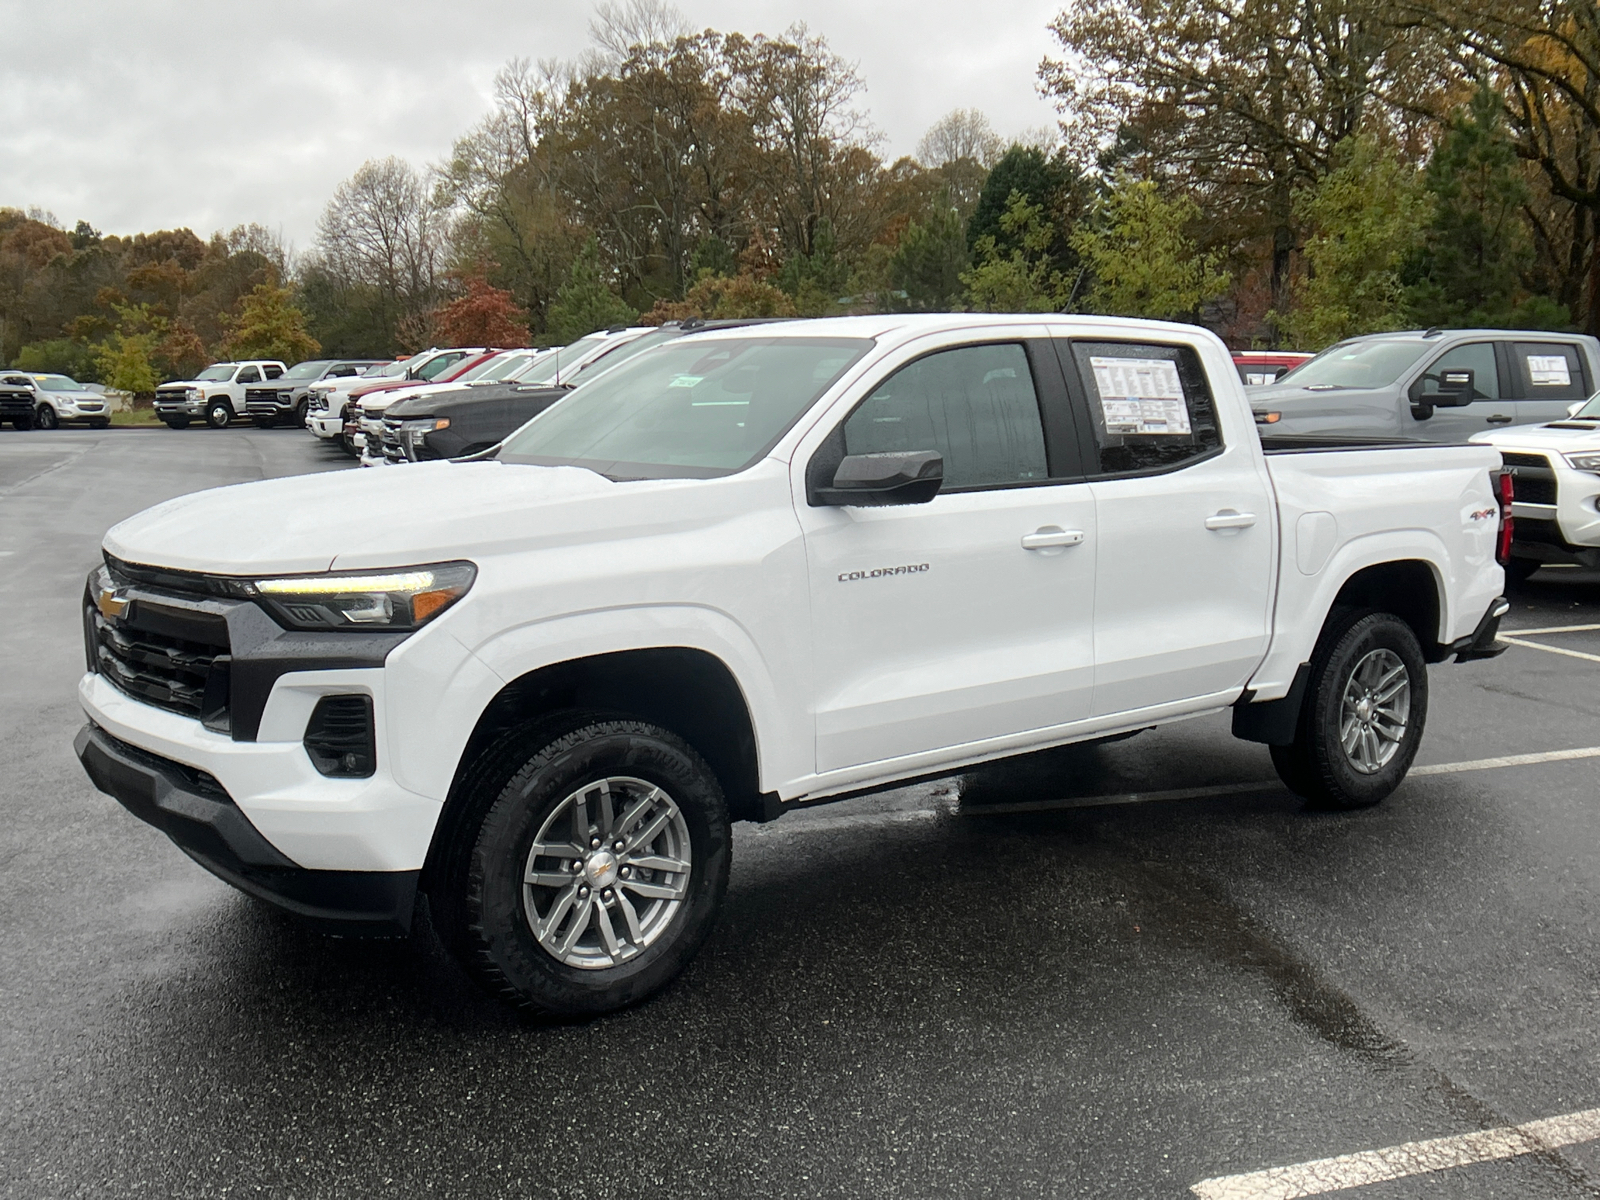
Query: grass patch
(140, 415)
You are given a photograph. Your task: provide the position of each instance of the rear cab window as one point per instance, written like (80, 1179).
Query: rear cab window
(1548, 371)
(1148, 406)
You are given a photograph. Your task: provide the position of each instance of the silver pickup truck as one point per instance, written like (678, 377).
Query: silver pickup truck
(1435, 386)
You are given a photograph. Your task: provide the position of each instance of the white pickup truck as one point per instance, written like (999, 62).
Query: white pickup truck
(748, 569)
(216, 395)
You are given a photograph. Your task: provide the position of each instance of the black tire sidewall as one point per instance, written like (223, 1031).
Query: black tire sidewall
(1333, 778)
(511, 960)
(211, 416)
(46, 418)
(178, 423)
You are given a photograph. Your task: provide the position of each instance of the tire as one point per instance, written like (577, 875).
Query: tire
(1519, 570)
(100, 423)
(587, 955)
(177, 422)
(348, 446)
(263, 422)
(299, 415)
(22, 423)
(1357, 656)
(45, 417)
(219, 415)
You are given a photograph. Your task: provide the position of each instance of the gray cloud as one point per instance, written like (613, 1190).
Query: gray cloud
(144, 114)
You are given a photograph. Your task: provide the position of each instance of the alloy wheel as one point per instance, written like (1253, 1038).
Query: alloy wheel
(1374, 710)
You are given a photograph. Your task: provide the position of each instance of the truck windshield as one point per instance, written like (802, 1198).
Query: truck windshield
(217, 374)
(1373, 363)
(307, 370)
(1591, 409)
(691, 409)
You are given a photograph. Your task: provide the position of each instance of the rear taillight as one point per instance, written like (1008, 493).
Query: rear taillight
(1503, 488)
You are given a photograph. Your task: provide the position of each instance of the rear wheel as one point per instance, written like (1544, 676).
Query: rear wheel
(45, 417)
(219, 414)
(22, 422)
(595, 869)
(1365, 707)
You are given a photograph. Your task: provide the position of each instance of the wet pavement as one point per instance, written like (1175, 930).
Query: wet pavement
(910, 994)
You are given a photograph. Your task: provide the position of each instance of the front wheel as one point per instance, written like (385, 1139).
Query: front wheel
(22, 422)
(596, 868)
(218, 415)
(263, 422)
(45, 417)
(1365, 707)
(177, 422)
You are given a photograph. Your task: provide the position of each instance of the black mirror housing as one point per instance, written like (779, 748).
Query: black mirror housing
(1457, 388)
(877, 480)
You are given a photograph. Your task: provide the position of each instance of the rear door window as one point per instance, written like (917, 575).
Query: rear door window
(248, 375)
(1548, 371)
(1149, 405)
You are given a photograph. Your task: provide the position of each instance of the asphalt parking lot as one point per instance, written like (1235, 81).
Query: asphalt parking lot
(1120, 971)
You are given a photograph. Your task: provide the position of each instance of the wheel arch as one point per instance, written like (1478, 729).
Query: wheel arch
(1410, 588)
(649, 684)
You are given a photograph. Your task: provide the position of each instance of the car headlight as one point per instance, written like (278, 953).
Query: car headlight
(401, 598)
(1584, 462)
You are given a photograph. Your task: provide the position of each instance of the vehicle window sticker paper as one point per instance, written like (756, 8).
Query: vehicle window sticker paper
(1548, 370)
(1140, 395)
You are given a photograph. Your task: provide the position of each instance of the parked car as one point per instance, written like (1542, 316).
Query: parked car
(216, 395)
(368, 405)
(426, 366)
(749, 570)
(326, 399)
(1555, 475)
(18, 399)
(1400, 384)
(60, 399)
(1258, 367)
(285, 400)
(438, 423)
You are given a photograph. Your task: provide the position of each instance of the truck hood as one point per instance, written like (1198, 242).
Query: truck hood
(1556, 435)
(428, 512)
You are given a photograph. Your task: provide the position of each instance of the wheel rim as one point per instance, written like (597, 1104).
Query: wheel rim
(219, 416)
(607, 872)
(47, 418)
(1374, 711)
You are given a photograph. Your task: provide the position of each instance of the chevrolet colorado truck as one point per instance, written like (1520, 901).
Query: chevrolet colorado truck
(216, 395)
(1555, 477)
(751, 569)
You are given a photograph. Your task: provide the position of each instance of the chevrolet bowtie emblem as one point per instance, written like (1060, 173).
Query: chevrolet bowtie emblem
(111, 605)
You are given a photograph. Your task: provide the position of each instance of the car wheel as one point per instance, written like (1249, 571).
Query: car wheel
(177, 422)
(218, 415)
(100, 423)
(45, 417)
(1365, 707)
(348, 446)
(299, 413)
(22, 422)
(594, 868)
(263, 422)
(1520, 570)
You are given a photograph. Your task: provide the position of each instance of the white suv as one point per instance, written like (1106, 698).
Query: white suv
(216, 395)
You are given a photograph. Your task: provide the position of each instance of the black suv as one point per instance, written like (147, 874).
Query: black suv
(453, 424)
(285, 399)
(16, 402)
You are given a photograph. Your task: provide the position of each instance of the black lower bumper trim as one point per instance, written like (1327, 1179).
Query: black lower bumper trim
(192, 809)
(1481, 643)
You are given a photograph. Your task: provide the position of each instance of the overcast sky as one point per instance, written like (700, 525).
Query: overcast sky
(142, 114)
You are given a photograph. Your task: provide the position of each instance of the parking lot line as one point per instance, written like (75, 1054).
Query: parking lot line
(1508, 760)
(1550, 649)
(1399, 1162)
(1553, 629)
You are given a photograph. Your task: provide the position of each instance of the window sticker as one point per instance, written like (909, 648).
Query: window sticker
(687, 381)
(1140, 395)
(1548, 370)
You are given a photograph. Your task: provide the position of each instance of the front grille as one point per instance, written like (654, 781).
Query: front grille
(170, 672)
(318, 402)
(393, 447)
(1532, 480)
(16, 403)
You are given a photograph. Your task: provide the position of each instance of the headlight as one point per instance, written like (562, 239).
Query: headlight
(405, 598)
(195, 394)
(1584, 462)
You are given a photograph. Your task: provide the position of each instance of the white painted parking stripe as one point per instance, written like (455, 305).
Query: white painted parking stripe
(1508, 760)
(1550, 649)
(1400, 1162)
(1553, 629)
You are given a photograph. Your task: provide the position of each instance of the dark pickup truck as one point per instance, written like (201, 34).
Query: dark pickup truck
(16, 402)
(285, 399)
(453, 424)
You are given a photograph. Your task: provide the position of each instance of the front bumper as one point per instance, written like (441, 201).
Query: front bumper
(324, 426)
(193, 809)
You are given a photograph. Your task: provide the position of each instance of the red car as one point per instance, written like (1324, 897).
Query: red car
(1257, 367)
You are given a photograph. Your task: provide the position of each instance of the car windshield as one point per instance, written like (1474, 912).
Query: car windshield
(1591, 408)
(219, 373)
(481, 371)
(388, 370)
(1373, 363)
(693, 409)
(58, 383)
(543, 368)
(505, 366)
(306, 370)
(617, 355)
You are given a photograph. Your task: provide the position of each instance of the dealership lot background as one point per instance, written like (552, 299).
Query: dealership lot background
(925, 991)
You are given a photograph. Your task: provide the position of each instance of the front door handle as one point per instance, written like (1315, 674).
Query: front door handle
(1230, 519)
(1045, 539)
(1497, 419)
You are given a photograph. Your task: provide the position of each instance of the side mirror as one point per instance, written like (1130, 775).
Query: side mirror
(1456, 388)
(876, 480)
(1575, 406)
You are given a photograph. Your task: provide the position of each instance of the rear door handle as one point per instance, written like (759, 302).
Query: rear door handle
(1229, 519)
(1497, 419)
(1044, 539)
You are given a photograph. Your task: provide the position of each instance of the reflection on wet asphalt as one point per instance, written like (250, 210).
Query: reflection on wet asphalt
(907, 995)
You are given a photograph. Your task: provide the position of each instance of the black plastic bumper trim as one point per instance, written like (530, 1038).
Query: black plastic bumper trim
(1481, 643)
(192, 809)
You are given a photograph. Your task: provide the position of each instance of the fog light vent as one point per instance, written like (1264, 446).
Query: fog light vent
(340, 737)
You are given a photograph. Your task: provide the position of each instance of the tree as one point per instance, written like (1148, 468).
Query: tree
(585, 302)
(962, 133)
(1142, 259)
(926, 267)
(123, 359)
(483, 315)
(1366, 217)
(716, 296)
(1023, 280)
(268, 325)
